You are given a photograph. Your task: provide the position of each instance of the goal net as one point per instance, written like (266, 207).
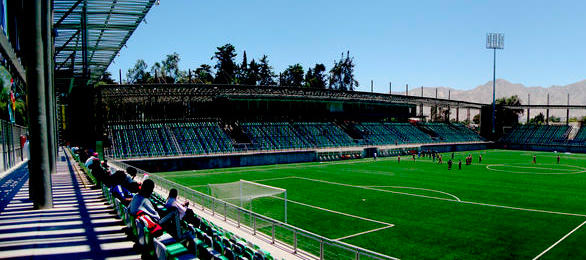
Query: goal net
(259, 198)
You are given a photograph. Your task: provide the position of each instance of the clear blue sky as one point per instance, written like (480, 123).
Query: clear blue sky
(429, 43)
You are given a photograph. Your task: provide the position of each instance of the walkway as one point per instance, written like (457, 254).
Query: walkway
(79, 226)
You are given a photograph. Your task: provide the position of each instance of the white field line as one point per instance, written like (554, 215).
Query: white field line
(437, 198)
(524, 209)
(270, 179)
(559, 241)
(415, 188)
(274, 179)
(488, 167)
(375, 189)
(337, 212)
(272, 167)
(362, 233)
(533, 167)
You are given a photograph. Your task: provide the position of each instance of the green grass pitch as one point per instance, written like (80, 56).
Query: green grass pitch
(504, 207)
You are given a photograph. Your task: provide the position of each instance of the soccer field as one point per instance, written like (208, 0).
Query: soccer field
(504, 207)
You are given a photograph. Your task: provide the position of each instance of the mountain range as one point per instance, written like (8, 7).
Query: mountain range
(504, 88)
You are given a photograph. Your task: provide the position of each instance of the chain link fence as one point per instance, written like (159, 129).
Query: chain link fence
(13, 148)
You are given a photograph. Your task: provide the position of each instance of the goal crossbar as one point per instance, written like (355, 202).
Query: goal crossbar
(263, 185)
(246, 191)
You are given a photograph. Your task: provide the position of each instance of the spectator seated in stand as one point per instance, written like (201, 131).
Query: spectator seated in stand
(185, 213)
(107, 167)
(130, 175)
(102, 177)
(120, 191)
(172, 203)
(143, 209)
(88, 163)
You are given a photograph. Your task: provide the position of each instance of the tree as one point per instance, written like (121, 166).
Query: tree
(342, 74)
(555, 119)
(203, 74)
(138, 73)
(266, 76)
(292, 76)
(507, 116)
(106, 78)
(157, 70)
(171, 66)
(476, 119)
(251, 74)
(315, 78)
(225, 66)
(242, 72)
(537, 120)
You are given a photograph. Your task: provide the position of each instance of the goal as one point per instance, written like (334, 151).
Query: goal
(268, 200)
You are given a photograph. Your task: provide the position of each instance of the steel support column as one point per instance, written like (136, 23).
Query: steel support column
(528, 109)
(547, 111)
(39, 168)
(50, 95)
(568, 111)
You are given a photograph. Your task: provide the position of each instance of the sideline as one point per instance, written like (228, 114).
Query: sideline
(559, 241)
(362, 233)
(415, 188)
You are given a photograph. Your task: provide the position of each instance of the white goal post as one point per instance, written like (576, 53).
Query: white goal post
(243, 192)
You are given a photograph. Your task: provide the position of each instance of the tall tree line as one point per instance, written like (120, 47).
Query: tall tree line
(227, 70)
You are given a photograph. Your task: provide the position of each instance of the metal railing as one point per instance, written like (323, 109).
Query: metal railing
(11, 149)
(295, 239)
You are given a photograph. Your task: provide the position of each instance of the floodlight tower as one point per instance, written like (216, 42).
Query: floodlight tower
(494, 41)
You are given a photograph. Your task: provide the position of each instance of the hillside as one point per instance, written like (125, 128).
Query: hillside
(483, 94)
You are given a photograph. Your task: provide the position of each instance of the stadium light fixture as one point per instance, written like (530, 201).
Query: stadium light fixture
(494, 41)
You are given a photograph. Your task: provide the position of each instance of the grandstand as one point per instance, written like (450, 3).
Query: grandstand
(207, 137)
(274, 136)
(580, 137)
(263, 172)
(322, 134)
(537, 134)
(451, 132)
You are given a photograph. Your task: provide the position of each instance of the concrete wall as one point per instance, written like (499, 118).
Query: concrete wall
(455, 147)
(222, 161)
(547, 148)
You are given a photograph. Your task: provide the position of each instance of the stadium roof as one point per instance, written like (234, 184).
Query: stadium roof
(109, 25)
(180, 93)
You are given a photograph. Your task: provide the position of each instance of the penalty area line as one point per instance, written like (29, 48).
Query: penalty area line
(336, 212)
(364, 232)
(559, 241)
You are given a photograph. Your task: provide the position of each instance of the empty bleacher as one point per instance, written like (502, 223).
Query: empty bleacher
(323, 134)
(452, 133)
(580, 137)
(168, 139)
(274, 135)
(537, 134)
(142, 140)
(208, 137)
(405, 133)
(201, 138)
